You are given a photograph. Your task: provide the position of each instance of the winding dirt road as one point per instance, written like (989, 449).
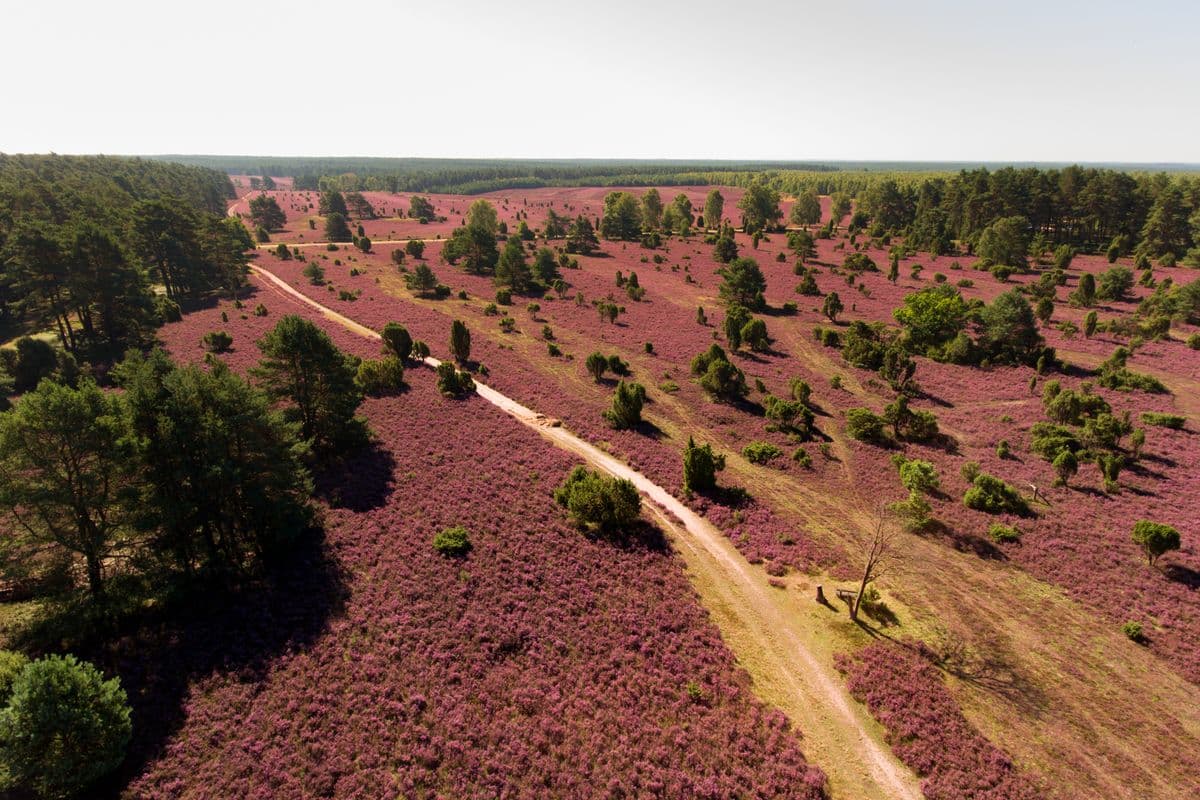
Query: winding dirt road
(838, 736)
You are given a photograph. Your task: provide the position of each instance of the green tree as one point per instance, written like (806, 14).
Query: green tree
(807, 209)
(220, 473)
(839, 206)
(932, 317)
(460, 342)
(622, 217)
(864, 425)
(832, 306)
(419, 208)
(545, 267)
(337, 229)
(1065, 467)
(652, 208)
(723, 381)
(421, 280)
(581, 237)
(302, 367)
(714, 208)
(626, 409)
(725, 250)
(1155, 539)
(265, 212)
(63, 478)
(1166, 228)
(742, 283)
(1009, 330)
(64, 727)
(396, 340)
(760, 208)
(919, 476)
(700, 467)
(596, 365)
(736, 318)
(415, 248)
(595, 502)
(332, 203)
(754, 334)
(1085, 293)
(1114, 283)
(1089, 324)
(512, 270)
(1005, 242)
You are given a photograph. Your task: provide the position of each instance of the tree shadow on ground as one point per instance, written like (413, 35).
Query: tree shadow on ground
(362, 482)
(963, 541)
(200, 629)
(1181, 574)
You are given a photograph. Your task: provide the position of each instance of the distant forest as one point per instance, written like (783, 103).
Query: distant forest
(84, 240)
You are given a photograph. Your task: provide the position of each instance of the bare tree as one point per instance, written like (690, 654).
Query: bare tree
(880, 557)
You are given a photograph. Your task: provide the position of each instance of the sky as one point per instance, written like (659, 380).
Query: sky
(923, 80)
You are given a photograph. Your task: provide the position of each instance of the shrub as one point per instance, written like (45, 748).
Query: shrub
(382, 376)
(999, 532)
(1133, 630)
(597, 502)
(396, 340)
(1003, 450)
(508, 324)
(218, 341)
(1155, 538)
(452, 382)
(453, 542)
(1172, 421)
(802, 458)
(760, 452)
(969, 471)
(919, 476)
(596, 364)
(64, 727)
(991, 495)
(504, 297)
(865, 425)
(700, 467)
(626, 409)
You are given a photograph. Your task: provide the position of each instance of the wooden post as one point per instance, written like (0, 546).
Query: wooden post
(821, 596)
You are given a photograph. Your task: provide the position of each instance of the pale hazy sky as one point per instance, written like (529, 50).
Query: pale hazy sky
(760, 79)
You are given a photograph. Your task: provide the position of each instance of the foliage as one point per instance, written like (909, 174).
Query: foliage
(626, 409)
(596, 502)
(919, 476)
(454, 542)
(1155, 538)
(742, 284)
(760, 452)
(700, 467)
(377, 377)
(63, 481)
(64, 726)
(991, 495)
(302, 367)
(865, 425)
(452, 382)
(722, 380)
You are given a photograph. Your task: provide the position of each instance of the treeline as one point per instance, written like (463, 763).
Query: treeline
(100, 250)
(475, 176)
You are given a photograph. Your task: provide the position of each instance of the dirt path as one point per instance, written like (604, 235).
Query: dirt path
(838, 736)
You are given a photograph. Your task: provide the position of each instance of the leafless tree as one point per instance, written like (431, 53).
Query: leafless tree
(880, 556)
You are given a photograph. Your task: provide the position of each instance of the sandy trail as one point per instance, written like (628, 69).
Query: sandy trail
(828, 717)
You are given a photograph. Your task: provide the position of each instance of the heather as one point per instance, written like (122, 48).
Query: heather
(971, 404)
(926, 728)
(541, 662)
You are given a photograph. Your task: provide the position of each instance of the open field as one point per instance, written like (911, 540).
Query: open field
(1043, 614)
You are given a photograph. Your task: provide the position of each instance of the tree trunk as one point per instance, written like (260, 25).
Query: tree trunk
(95, 579)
